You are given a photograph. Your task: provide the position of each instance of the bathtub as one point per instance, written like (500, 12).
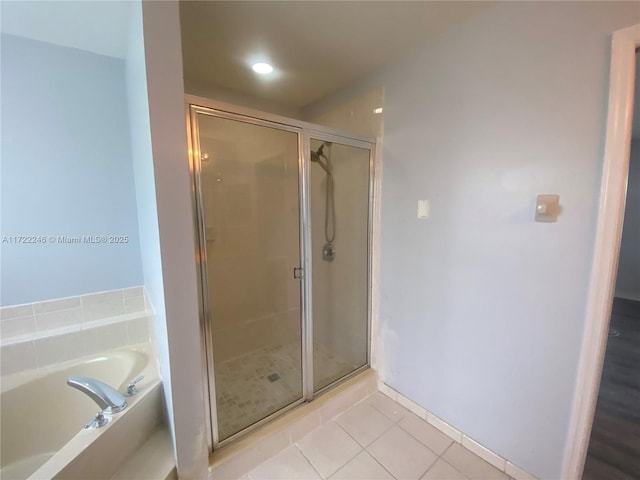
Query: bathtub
(42, 418)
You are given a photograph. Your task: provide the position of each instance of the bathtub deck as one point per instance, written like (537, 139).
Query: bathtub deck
(153, 460)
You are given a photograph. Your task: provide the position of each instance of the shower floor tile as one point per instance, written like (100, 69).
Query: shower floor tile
(253, 386)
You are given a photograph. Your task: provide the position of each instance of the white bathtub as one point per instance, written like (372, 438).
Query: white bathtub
(42, 418)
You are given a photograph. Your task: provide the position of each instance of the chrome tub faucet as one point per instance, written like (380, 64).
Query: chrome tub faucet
(108, 399)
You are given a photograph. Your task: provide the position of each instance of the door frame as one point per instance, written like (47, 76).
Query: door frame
(305, 131)
(613, 190)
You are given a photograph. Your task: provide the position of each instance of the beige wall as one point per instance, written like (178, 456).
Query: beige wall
(362, 115)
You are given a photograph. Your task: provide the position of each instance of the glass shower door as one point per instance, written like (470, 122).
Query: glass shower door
(248, 181)
(339, 206)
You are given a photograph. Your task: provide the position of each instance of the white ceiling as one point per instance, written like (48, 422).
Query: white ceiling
(95, 26)
(317, 47)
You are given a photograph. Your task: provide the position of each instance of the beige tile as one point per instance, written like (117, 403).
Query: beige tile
(55, 305)
(401, 454)
(16, 311)
(108, 337)
(387, 390)
(289, 464)
(58, 318)
(303, 426)
(484, 453)
(328, 448)
(103, 305)
(411, 405)
(429, 435)
(441, 470)
(471, 465)
(17, 357)
(444, 427)
(518, 473)
(133, 292)
(134, 304)
(138, 330)
(239, 463)
(16, 327)
(392, 410)
(57, 349)
(364, 423)
(362, 467)
(342, 402)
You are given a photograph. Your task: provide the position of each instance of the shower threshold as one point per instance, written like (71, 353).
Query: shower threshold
(239, 457)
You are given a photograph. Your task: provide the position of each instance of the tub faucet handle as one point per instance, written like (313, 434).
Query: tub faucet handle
(131, 388)
(100, 420)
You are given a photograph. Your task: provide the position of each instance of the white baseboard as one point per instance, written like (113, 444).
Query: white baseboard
(456, 435)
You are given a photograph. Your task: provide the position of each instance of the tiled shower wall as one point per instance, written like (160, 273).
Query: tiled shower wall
(250, 194)
(36, 335)
(340, 287)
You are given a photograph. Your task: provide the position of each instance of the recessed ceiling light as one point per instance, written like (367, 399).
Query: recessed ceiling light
(262, 68)
(377, 110)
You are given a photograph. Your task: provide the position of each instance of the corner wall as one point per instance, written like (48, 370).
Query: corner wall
(156, 103)
(482, 310)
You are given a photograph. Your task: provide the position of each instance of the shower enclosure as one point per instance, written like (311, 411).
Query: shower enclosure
(283, 215)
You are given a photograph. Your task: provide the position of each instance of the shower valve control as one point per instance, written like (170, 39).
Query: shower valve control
(297, 272)
(131, 388)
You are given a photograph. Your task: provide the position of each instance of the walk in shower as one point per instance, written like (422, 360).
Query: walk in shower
(283, 214)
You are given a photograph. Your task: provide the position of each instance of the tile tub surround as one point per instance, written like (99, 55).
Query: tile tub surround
(43, 333)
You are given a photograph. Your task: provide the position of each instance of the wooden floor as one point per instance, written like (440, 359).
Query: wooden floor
(614, 448)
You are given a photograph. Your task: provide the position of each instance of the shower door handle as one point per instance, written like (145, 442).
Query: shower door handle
(297, 273)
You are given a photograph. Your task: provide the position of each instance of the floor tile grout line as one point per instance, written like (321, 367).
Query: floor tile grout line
(364, 448)
(370, 443)
(357, 443)
(425, 446)
(428, 468)
(428, 447)
(376, 460)
(308, 461)
(345, 463)
(332, 473)
(448, 463)
(478, 456)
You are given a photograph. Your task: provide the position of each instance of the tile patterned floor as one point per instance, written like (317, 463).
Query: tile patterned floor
(245, 394)
(376, 440)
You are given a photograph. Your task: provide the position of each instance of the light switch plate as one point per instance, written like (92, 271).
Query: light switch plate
(547, 208)
(423, 209)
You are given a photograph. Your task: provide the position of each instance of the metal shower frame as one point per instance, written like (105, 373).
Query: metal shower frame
(305, 131)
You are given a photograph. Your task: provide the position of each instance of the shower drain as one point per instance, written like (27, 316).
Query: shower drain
(273, 377)
(613, 332)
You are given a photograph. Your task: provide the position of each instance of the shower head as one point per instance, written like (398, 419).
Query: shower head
(318, 155)
(315, 156)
